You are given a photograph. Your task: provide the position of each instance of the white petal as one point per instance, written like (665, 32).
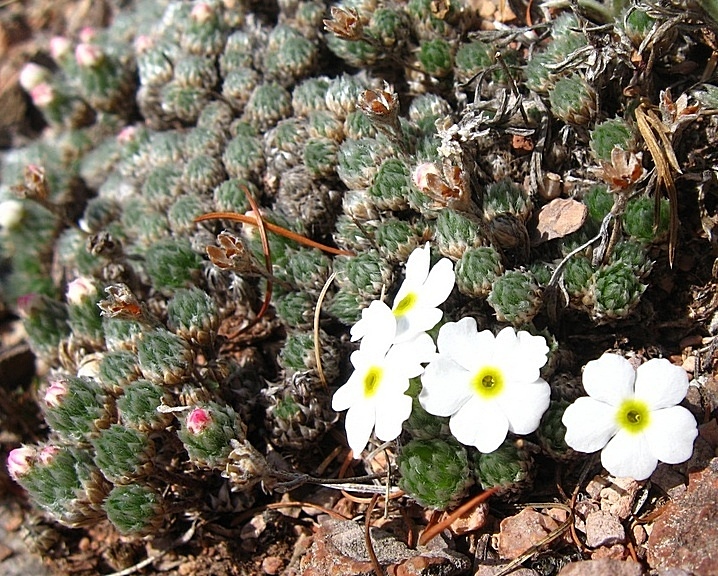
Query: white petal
(359, 423)
(628, 455)
(479, 424)
(660, 383)
(390, 416)
(461, 342)
(372, 318)
(446, 387)
(439, 284)
(590, 424)
(520, 355)
(417, 267)
(382, 330)
(524, 405)
(409, 356)
(416, 321)
(671, 434)
(533, 350)
(350, 393)
(609, 379)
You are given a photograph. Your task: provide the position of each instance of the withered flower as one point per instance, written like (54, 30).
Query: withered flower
(623, 171)
(230, 254)
(447, 186)
(121, 303)
(382, 108)
(34, 185)
(344, 23)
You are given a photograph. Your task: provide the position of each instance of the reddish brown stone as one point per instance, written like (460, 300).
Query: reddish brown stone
(521, 532)
(602, 567)
(339, 549)
(686, 534)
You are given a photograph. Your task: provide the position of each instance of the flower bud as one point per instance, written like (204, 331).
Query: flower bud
(201, 13)
(42, 95)
(19, 461)
(88, 55)
(80, 289)
(60, 47)
(33, 75)
(47, 454)
(87, 34)
(198, 420)
(11, 214)
(55, 392)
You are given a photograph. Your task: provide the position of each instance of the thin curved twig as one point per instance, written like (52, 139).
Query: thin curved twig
(435, 530)
(303, 240)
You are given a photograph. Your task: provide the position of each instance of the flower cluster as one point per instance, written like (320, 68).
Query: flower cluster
(394, 345)
(488, 385)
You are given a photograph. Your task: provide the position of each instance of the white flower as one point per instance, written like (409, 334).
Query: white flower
(415, 305)
(488, 385)
(375, 392)
(631, 415)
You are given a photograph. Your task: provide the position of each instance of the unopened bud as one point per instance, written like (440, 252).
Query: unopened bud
(198, 420)
(33, 75)
(19, 461)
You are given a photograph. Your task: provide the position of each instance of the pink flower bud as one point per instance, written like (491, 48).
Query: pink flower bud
(19, 461)
(25, 304)
(143, 43)
(201, 13)
(198, 420)
(79, 289)
(127, 135)
(87, 34)
(88, 55)
(421, 172)
(60, 47)
(42, 95)
(32, 75)
(46, 454)
(55, 392)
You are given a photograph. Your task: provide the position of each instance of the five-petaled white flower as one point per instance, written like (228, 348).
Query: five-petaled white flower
(375, 392)
(488, 385)
(415, 305)
(631, 415)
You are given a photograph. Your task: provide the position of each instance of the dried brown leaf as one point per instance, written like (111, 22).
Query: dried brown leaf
(559, 218)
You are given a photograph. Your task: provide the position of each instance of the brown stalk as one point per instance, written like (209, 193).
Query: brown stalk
(303, 240)
(259, 221)
(435, 530)
(649, 125)
(367, 538)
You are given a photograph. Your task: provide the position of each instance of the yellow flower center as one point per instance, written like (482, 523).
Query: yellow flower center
(405, 304)
(372, 379)
(488, 382)
(633, 416)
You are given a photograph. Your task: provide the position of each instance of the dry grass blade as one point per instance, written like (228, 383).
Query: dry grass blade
(265, 249)
(303, 240)
(367, 538)
(436, 529)
(317, 341)
(665, 160)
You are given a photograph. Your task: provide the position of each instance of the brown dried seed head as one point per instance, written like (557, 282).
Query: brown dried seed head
(344, 23)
